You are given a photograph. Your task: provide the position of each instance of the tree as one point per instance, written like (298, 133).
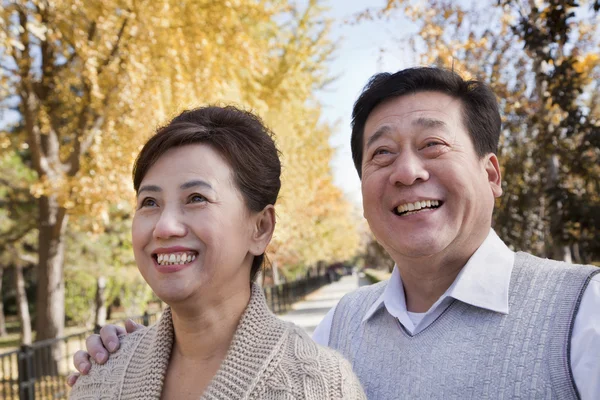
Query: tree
(541, 59)
(89, 80)
(17, 226)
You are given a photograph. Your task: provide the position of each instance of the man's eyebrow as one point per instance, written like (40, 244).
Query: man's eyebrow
(384, 130)
(195, 183)
(430, 123)
(149, 188)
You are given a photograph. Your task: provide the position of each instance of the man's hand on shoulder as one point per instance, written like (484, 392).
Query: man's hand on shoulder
(99, 348)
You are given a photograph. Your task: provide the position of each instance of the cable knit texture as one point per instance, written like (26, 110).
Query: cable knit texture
(470, 352)
(267, 359)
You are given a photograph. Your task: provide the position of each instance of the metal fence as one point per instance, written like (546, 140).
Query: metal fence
(39, 371)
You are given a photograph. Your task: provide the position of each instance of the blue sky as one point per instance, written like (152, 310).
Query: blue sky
(364, 49)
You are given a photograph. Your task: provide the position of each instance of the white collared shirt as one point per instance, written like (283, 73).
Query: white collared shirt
(483, 282)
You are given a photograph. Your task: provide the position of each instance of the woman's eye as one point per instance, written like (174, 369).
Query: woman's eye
(148, 202)
(196, 198)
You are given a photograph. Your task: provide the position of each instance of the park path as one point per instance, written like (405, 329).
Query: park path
(309, 312)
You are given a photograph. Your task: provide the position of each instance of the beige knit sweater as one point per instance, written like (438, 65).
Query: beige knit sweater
(267, 359)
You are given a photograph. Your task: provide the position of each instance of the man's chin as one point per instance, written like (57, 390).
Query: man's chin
(418, 249)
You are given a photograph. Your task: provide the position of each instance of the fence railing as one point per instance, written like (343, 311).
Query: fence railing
(39, 371)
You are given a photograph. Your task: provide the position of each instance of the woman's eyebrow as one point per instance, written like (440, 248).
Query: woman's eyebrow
(149, 188)
(196, 183)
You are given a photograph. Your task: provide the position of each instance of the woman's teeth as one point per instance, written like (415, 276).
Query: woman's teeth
(175, 258)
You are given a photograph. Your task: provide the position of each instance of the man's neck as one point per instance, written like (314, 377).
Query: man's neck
(426, 279)
(423, 288)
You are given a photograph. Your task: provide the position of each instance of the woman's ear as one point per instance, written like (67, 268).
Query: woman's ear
(263, 230)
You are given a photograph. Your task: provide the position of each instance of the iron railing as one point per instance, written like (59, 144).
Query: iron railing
(39, 371)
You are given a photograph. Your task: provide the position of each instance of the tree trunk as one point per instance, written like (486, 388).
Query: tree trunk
(22, 304)
(276, 279)
(50, 302)
(100, 315)
(2, 317)
(559, 250)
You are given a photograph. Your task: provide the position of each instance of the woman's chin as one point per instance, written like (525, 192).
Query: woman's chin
(173, 295)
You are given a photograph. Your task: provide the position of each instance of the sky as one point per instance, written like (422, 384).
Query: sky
(358, 56)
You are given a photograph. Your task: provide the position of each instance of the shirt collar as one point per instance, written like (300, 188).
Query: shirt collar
(392, 297)
(483, 282)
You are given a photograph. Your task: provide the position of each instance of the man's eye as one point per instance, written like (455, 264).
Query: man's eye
(197, 198)
(431, 144)
(381, 152)
(148, 202)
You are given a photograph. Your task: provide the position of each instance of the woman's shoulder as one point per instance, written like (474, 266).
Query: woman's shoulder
(302, 357)
(104, 380)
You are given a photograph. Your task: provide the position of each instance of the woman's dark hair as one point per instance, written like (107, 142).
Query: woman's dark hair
(239, 136)
(480, 108)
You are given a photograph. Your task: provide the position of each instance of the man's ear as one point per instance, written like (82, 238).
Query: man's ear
(492, 168)
(263, 230)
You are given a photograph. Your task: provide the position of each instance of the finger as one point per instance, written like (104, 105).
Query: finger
(94, 346)
(110, 336)
(81, 361)
(131, 326)
(72, 378)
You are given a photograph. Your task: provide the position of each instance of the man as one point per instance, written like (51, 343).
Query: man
(462, 316)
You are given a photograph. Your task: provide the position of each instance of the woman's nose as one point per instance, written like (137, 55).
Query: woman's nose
(170, 224)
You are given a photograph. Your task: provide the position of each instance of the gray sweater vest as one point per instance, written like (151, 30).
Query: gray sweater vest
(470, 352)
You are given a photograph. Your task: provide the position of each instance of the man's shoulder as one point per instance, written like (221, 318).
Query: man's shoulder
(528, 259)
(369, 293)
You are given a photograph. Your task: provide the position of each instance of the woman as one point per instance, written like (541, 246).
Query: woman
(206, 184)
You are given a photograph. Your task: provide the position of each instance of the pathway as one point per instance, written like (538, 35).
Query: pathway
(309, 312)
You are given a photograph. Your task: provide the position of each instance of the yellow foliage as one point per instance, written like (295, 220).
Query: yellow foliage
(115, 70)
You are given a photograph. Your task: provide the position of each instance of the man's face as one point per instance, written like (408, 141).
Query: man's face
(425, 191)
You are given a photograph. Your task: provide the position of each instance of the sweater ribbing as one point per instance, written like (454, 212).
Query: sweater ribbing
(471, 352)
(267, 359)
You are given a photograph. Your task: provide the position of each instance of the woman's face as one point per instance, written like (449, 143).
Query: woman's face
(192, 232)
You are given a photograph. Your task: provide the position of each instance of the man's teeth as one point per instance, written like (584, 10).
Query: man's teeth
(175, 258)
(417, 205)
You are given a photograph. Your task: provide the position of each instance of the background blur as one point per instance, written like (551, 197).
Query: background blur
(84, 83)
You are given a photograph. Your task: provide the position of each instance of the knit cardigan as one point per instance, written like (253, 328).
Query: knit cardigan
(267, 359)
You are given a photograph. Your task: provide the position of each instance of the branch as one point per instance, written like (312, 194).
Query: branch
(8, 69)
(9, 184)
(25, 229)
(28, 258)
(115, 47)
(74, 162)
(29, 102)
(82, 145)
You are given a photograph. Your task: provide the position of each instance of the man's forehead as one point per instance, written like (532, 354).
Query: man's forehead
(424, 109)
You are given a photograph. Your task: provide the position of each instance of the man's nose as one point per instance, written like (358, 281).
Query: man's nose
(408, 169)
(170, 224)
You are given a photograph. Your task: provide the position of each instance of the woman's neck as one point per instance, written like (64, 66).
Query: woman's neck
(205, 328)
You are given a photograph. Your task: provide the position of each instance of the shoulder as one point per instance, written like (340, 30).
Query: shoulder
(322, 369)
(529, 260)
(104, 380)
(368, 294)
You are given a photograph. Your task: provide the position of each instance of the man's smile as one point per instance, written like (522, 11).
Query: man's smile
(417, 206)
